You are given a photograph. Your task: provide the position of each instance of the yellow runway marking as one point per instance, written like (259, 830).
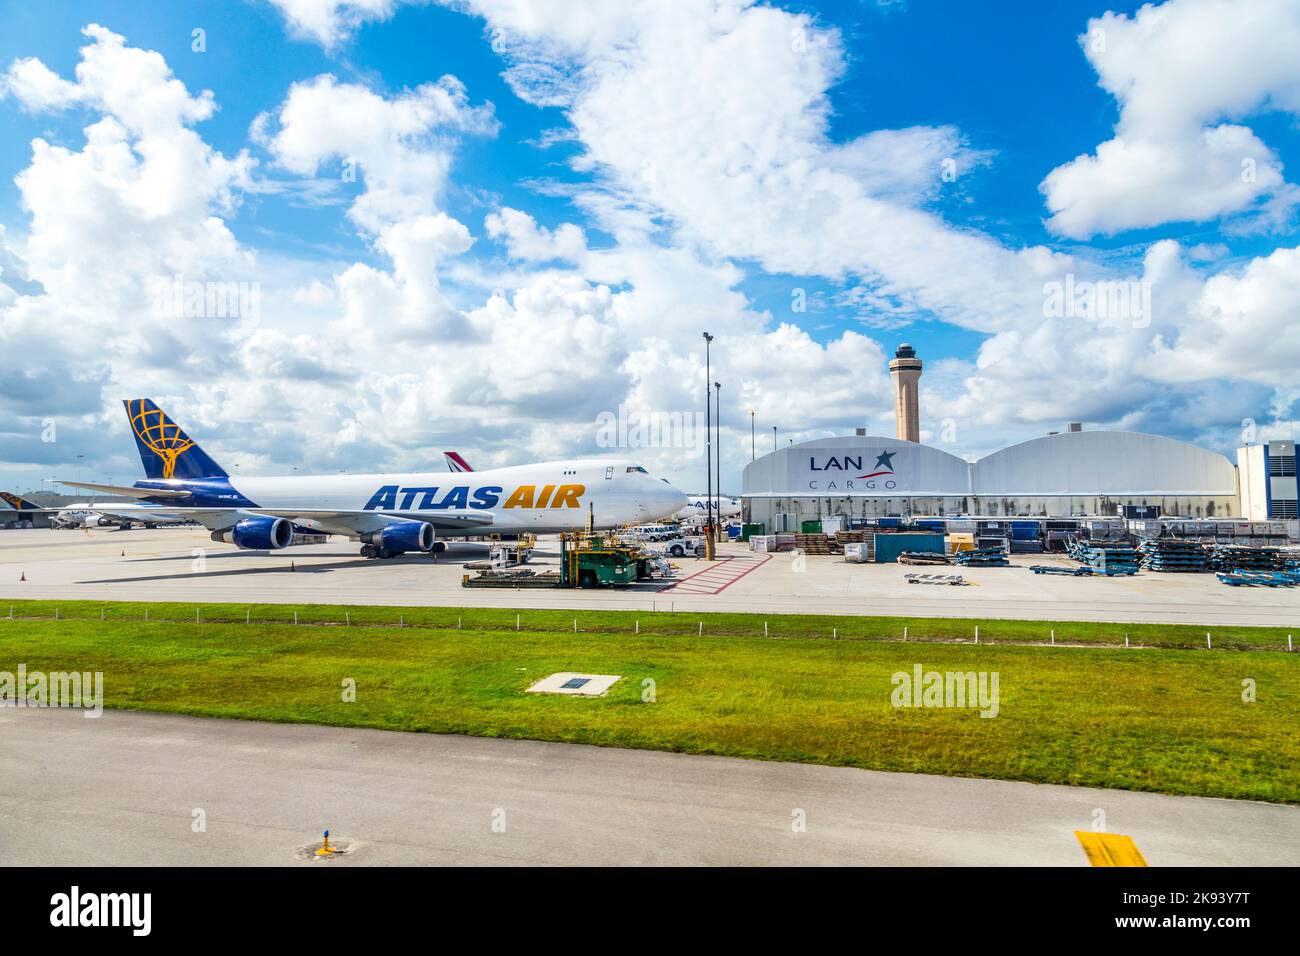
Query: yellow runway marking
(1110, 849)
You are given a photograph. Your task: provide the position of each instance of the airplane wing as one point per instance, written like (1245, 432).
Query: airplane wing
(333, 522)
(347, 523)
(128, 491)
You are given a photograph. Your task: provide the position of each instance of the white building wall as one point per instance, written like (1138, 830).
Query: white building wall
(1060, 475)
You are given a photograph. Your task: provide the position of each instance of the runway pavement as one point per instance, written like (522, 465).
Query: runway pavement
(127, 788)
(183, 564)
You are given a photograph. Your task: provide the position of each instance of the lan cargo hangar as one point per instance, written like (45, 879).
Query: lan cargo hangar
(1066, 474)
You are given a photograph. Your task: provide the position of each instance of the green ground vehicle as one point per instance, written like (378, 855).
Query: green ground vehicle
(590, 561)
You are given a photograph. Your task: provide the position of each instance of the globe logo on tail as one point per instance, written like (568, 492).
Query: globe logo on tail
(162, 437)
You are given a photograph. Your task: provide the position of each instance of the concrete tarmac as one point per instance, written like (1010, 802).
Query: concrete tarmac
(127, 789)
(184, 564)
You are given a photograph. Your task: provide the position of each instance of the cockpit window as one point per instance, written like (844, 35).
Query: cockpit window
(636, 468)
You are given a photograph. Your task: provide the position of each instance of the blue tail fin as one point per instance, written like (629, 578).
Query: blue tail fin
(167, 452)
(18, 503)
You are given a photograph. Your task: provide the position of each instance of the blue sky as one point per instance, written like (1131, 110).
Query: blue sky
(1012, 93)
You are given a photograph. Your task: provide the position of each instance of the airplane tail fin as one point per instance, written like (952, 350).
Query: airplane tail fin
(165, 450)
(455, 462)
(17, 502)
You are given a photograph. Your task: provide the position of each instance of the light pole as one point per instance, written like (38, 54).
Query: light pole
(753, 448)
(708, 443)
(773, 438)
(79, 459)
(717, 424)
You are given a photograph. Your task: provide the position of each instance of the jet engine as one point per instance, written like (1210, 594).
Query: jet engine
(261, 533)
(398, 538)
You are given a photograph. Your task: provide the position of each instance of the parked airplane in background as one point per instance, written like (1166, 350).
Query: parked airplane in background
(389, 514)
(455, 462)
(699, 506)
(19, 511)
(89, 514)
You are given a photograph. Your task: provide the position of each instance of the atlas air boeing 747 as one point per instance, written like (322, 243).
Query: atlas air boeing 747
(388, 514)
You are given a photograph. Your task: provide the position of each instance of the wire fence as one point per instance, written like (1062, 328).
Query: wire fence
(676, 624)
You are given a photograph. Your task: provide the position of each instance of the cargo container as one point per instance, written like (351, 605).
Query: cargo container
(748, 531)
(1025, 530)
(810, 527)
(889, 546)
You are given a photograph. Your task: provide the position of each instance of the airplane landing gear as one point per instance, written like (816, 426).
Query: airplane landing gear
(369, 551)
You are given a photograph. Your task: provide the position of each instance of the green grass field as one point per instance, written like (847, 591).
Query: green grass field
(1153, 718)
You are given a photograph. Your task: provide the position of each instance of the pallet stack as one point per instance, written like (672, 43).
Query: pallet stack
(1229, 557)
(1173, 554)
(1105, 557)
(812, 543)
(982, 558)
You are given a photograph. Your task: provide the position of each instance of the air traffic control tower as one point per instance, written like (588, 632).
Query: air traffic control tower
(905, 370)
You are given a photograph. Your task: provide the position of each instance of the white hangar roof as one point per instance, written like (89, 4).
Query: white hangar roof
(1103, 463)
(1075, 464)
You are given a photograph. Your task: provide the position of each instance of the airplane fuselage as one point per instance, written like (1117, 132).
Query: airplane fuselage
(542, 498)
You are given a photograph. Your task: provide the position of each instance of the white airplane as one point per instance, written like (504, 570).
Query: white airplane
(88, 514)
(699, 506)
(389, 514)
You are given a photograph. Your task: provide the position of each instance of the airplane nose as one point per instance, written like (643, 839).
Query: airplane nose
(664, 499)
(673, 500)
